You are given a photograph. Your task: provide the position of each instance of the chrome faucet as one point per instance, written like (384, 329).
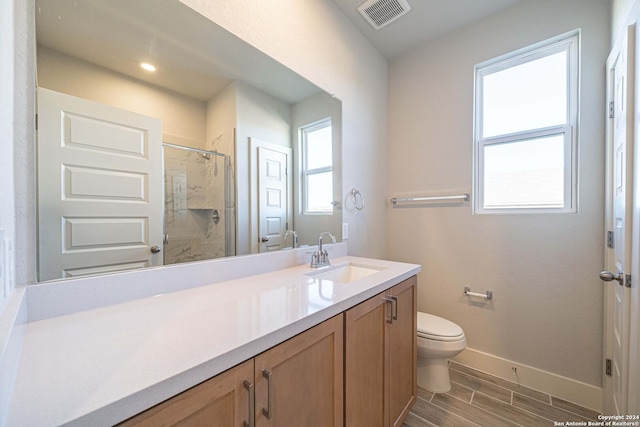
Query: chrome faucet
(294, 243)
(321, 257)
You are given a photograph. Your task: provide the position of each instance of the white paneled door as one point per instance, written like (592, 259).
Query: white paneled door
(272, 197)
(620, 67)
(99, 188)
(273, 191)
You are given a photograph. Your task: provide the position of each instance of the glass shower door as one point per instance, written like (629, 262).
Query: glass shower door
(196, 219)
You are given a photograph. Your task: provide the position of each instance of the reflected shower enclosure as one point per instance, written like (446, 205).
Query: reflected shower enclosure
(198, 213)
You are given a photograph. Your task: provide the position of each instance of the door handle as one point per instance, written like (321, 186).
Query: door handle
(264, 239)
(155, 249)
(608, 276)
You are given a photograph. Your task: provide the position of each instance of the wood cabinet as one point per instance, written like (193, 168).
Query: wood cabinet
(403, 351)
(300, 382)
(296, 383)
(356, 369)
(381, 357)
(221, 401)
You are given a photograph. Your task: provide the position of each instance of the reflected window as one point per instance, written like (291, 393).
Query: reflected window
(317, 167)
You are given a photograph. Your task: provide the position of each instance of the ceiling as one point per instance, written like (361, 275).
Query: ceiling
(194, 56)
(118, 33)
(427, 20)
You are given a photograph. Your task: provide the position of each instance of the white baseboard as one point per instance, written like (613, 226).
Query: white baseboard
(565, 388)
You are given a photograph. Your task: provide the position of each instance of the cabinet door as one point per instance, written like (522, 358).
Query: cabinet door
(402, 351)
(300, 382)
(365, 359)
(221, 401)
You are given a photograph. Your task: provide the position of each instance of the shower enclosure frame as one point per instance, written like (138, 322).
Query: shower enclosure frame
(228, 190)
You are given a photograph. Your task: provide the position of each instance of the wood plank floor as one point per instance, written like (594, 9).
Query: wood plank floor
(479, 399)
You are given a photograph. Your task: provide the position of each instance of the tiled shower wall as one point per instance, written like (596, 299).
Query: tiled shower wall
(194, 190)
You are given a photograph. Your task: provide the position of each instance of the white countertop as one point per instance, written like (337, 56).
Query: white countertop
(103, 365)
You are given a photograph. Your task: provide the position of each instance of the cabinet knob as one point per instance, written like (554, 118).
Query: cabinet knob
(155, 249)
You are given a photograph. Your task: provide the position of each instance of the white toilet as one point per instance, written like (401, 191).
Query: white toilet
(438, 340)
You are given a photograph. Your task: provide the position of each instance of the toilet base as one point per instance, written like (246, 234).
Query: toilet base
(433, 375)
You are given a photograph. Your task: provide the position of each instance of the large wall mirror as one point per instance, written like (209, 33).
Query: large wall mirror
(163, 138)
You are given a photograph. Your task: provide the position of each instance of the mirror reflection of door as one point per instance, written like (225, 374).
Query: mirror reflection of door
(99, 190)
(273, 193)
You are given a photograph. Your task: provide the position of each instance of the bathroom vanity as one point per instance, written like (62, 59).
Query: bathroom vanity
(300, 382)
(279, 347)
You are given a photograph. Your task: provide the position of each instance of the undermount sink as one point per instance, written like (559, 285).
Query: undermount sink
(345, 273)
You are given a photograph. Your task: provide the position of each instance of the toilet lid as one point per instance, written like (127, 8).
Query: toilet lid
(437, 328)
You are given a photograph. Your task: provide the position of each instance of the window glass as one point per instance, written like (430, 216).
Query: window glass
(320, 192)
(525, 173)
(528, 96)
(319, 148)
(525, 128)
(317, 168)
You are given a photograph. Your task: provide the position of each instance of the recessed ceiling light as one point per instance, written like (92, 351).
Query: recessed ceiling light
(148, 66)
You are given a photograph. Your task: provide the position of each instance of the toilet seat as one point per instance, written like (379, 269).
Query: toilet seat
(436, 328)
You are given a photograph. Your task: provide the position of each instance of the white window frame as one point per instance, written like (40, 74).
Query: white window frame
(569, 42)
(305, 172)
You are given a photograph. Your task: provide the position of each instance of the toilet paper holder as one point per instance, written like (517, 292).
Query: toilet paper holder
(487, 294)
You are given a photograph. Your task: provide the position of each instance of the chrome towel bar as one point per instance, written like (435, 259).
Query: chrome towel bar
(487, 295)
(463, 197)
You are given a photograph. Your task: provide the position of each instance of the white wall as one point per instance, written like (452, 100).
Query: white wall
(222, 117)
(221, 127)
(181, 116)
(620, 10)
(543, 269)
(317, 41)
(7, 223)
(20, 107)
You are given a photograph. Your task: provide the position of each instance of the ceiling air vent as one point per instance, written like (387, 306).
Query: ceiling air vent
(379, 13)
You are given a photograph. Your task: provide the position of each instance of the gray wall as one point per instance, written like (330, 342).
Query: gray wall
(263, 117)
(317, 41)
(311, 110)
(548, 301)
